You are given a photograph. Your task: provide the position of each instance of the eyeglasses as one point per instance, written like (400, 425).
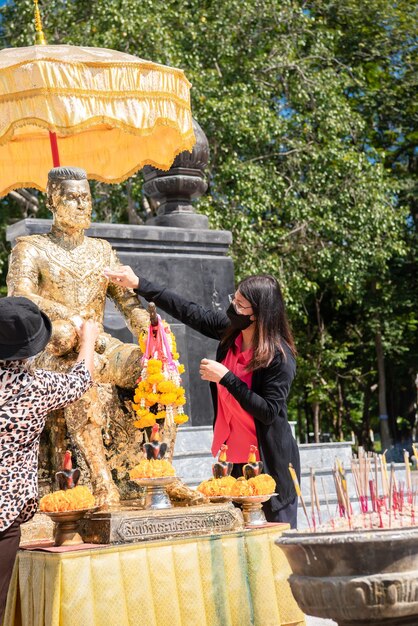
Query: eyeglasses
(237, 307)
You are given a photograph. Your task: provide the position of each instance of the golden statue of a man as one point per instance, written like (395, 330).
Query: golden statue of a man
(63, 273)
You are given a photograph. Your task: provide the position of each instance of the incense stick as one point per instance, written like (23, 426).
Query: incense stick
(326, 502)
(299, 492)
(318, 506)
(312, 498)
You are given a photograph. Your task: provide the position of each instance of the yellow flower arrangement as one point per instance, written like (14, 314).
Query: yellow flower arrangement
(217, 486)
(228, 486)
(152, 468)
(159, 394)
(74, 499)
(263, 484)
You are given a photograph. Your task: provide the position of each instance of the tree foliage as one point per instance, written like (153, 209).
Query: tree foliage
(311, 115)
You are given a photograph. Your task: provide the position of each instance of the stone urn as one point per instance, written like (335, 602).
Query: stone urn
(176, 189)
(355, 578)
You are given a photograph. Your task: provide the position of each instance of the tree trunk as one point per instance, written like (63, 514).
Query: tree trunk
(133, 217)
(340, 412)
(307, 415)
(300, 423)
(315, 408)
(385, 436)
(363, 436)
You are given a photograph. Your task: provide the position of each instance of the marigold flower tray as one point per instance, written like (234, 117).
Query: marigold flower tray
(217, 499)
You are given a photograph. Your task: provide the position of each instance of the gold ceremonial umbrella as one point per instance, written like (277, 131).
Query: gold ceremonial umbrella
(110, 113)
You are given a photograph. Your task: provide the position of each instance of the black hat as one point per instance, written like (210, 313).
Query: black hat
(24, 329)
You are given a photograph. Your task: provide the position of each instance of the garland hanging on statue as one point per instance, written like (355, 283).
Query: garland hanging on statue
(159, 393)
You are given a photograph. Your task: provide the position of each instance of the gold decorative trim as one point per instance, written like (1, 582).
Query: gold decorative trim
(77, 128)
(145, 65)
(89, 93)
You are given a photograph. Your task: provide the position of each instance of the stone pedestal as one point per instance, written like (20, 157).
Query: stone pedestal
(195, 263)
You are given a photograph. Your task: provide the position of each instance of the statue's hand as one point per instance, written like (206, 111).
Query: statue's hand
(64, 338)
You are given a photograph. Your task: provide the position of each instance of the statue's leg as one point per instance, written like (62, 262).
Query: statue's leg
(124, 364)
(84, 422)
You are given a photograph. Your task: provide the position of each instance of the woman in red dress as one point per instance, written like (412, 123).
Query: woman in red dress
(250, 378)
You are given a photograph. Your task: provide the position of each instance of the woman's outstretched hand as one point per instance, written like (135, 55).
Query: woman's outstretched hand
(124, 276)
(212, 370)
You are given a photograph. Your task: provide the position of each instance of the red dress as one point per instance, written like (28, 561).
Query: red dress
(233, 425)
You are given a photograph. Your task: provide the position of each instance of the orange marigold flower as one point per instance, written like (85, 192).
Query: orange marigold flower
(167, 386)
(217, 486)
(153, 398)
(263, 484)
(155, 379)
(168, 398)
(180, 418)
(74, 499)
(152, 468)
(145, 421)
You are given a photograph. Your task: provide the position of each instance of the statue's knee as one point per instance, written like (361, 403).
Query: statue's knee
(125, 365)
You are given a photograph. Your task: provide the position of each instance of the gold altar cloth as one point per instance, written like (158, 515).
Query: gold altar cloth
(236, 579)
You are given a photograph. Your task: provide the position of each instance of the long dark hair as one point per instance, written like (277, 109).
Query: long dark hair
(272, 328)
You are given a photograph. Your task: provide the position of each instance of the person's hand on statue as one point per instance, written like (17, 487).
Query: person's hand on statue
(124, 276)
(88, 333)
(212, 370)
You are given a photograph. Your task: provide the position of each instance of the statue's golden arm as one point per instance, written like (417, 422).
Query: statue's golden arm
(23, 280)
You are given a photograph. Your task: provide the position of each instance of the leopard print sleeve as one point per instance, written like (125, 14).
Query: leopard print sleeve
(63, 389)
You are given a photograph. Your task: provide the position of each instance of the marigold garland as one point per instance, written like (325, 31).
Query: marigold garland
(159, 394)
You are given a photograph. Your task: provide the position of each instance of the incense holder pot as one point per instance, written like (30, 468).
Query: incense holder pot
(355, 578)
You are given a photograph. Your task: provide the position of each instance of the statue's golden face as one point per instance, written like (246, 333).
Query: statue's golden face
(72, 204)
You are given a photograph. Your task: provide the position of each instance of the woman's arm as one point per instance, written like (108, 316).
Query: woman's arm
(209, 323)
(88, 332)
(63, 389)
(265, 406)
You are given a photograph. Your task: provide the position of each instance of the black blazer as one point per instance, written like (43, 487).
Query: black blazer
(265, 401)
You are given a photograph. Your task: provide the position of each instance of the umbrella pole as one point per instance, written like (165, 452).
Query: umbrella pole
(40, 41)
(54, 149)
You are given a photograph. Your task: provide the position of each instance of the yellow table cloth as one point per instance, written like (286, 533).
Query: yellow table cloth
(236, 579)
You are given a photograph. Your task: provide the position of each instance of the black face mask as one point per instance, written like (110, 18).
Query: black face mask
(239, 321)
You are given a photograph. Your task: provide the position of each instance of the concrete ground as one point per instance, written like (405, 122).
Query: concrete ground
(317, 621)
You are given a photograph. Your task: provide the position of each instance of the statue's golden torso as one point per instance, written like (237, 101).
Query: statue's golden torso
(67, 281)
(70, 277)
